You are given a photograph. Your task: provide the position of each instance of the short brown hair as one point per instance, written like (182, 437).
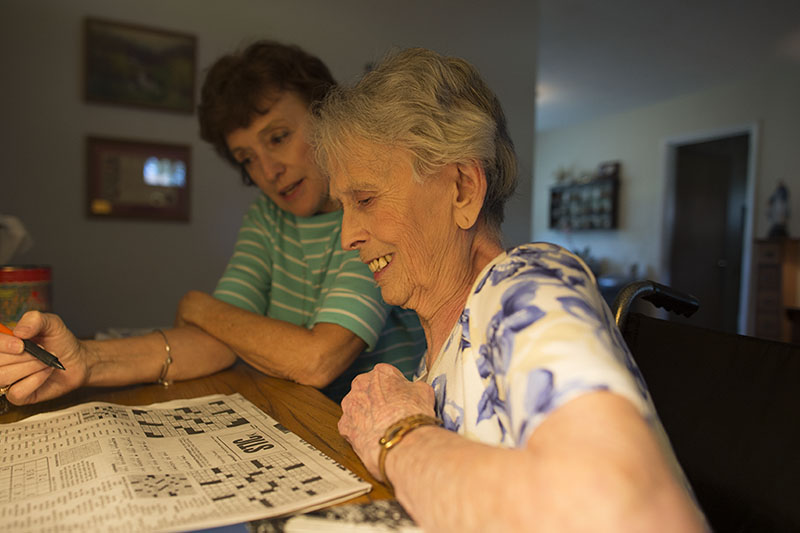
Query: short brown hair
(236, 85)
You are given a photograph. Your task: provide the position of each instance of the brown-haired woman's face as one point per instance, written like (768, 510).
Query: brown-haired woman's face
(274, 150)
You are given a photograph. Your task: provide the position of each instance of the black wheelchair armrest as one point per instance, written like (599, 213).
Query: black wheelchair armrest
(659, 295)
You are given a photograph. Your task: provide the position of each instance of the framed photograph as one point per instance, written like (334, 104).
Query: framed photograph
(138, 66)
(137, 179)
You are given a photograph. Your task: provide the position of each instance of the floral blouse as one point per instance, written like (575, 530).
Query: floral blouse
(534, 334)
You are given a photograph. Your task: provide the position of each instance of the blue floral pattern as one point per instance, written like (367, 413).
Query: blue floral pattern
(534, 334)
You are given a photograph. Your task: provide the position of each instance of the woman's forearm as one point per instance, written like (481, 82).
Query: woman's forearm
(555, 483)
(313, 356)
(141, 359)
(442, 480)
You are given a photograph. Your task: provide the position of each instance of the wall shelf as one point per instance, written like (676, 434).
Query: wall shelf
(585, 206)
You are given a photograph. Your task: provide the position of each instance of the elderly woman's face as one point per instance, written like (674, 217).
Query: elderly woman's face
(403, 229)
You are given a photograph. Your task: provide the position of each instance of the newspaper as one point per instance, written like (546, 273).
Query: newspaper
(184, 464)
(382, 516)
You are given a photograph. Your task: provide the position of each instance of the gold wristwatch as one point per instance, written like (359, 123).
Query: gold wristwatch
(395, 433)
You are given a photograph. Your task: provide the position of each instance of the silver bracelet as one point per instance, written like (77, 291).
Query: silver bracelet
(162, 379)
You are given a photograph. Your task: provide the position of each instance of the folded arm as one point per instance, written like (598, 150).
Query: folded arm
(311, 356)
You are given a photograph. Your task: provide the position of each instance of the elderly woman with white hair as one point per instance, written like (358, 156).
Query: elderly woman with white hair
(527, 412)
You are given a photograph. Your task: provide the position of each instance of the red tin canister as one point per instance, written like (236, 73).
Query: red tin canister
(24, 288)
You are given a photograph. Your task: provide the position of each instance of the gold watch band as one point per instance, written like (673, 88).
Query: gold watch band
(395, 433)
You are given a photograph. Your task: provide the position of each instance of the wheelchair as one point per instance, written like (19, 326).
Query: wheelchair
(730, 405)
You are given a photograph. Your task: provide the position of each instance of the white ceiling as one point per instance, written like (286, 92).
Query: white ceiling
(605, 56)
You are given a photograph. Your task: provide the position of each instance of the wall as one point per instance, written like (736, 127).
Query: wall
(637, 138)
(110, 273)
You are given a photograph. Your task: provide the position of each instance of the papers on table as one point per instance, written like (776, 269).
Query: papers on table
(383, 516)
(184, 464)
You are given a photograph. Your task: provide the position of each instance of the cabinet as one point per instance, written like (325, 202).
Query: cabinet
(776, 268)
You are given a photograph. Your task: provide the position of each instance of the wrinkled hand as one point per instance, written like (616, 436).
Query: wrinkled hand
(377, 400)
(32, 380)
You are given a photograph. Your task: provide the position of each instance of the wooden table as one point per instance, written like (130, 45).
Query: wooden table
(302, 409)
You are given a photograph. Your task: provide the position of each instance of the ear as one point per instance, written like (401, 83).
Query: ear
(470, 193)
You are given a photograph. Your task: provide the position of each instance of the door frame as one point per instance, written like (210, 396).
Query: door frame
(669, 157)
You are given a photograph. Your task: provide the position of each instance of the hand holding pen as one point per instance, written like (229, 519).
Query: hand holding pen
(35, 350)
(38, 352)
(26, 379)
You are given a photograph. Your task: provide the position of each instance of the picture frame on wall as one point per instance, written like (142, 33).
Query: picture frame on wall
(132, 65)
(137, 179)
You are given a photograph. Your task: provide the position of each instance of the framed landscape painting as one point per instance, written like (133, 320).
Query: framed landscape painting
(132, 65)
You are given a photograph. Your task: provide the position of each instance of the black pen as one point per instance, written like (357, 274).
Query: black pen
(35, 350)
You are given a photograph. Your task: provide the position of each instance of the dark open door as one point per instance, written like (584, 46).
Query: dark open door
(706, 249)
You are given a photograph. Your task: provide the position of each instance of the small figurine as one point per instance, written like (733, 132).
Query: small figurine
(778, 212)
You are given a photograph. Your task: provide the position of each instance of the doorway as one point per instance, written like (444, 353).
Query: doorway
(708, 246)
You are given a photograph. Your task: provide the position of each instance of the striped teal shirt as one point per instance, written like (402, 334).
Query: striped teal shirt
(294, 269)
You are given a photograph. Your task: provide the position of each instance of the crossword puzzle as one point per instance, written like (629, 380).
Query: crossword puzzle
(283, 479)
(180, 465)
(158, 423)
(158, 486)
(99, 412)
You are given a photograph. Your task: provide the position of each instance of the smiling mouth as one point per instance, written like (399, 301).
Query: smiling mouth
(378, 264)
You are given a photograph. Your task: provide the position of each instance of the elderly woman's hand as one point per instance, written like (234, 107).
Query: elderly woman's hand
(377, 400)
(31, 380)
